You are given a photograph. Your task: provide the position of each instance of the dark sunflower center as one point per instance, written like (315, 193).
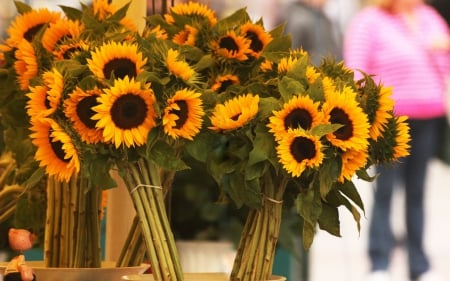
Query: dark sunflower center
(298, 118)
(256, 45)
(129, 111)
(235, 117)
(121, 67)
(57, 149)
(338, 116)
(68, 53)
(47, 103)
(30, 33)
(229, 44)
(85, 112)
(303, 148)
(182, 114)
(224, 85)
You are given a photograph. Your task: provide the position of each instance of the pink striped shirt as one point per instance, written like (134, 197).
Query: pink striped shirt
(380, 43)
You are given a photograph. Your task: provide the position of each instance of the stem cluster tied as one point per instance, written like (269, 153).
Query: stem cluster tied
(72, 227)
(143, 180)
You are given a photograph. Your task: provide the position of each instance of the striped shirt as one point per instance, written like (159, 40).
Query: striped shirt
(381, 43)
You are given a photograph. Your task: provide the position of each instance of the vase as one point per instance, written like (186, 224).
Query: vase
(107, 272)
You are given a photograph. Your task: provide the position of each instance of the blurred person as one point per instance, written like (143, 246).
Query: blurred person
(405, 44)
(312, 30)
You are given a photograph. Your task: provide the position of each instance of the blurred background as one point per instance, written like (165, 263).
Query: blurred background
(330, 258)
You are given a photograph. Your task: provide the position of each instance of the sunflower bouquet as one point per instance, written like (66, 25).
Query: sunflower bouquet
(269, 126)
(96, 96)
(279, 129)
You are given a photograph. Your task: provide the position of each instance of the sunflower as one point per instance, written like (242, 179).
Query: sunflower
(78, 109)
(178, 67)
(299, 112)
(188, 36)
(116, 59)
(69, 49)
(402, 137)
(266, 66)
(54, 81)
(103, 9)
(27, 25)
(159, 32)
(328, 85)
(193, 9)
(298, 151)
(232, 46)
(26, 64)
(382, 105)
(222, 82)
(311, 74)
(286, 64)
(342, 108)
(125, 113)
(352, 161)
(38, 104)
(55, 150)
(59, 31)
(258, 37)
(183, 114)
(234, 113)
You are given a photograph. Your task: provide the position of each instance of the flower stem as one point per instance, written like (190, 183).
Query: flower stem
(256, 250)
(144, 184)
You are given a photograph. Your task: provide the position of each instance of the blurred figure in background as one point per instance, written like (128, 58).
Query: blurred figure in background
(406, 45)
(312, 30)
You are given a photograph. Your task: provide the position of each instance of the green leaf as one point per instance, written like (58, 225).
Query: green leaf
(238, 16)
(153, 78)
(277, 48)
(329, 173)
(278, 30)
(349, 190)
(99, 173)
(289, 87)
(329, 220)
(71, 12)
(255, 171)
(205, 62)
(309, 206)
(22, 8)
(263, 145)
(324, 129)
(166, 156)
(308, 234)
(121, 13)
(200, 148)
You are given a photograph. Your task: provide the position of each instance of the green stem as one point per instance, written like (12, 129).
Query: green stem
(256, 250)
(143, 180)
(49, 222)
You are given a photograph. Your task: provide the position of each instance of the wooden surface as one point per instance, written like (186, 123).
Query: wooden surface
(193, 277)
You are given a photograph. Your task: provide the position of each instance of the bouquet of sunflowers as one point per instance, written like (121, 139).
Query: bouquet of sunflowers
(98, 96)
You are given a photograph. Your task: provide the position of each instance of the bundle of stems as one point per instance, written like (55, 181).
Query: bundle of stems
(72, 227)
(256, 250)
(134, 249)
(143, 180)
